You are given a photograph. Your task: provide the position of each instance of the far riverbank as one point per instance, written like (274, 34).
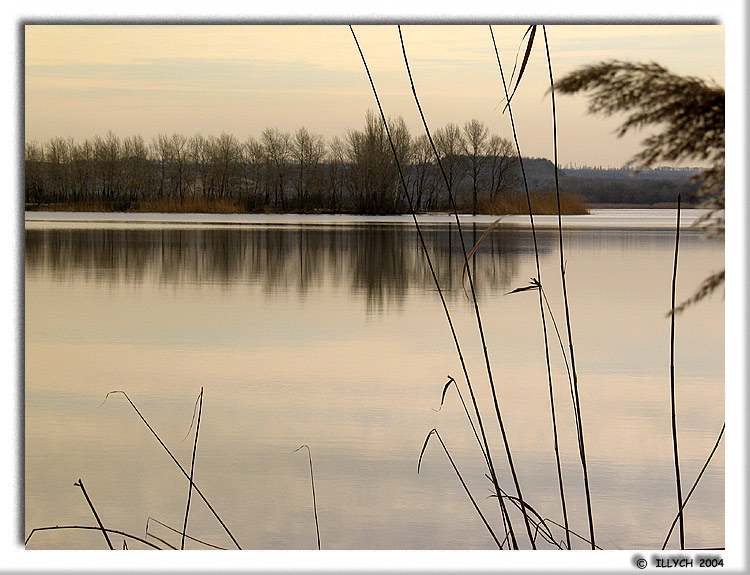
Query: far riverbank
(596, 218)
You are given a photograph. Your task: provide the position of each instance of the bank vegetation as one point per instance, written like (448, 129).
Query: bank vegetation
(282, 172)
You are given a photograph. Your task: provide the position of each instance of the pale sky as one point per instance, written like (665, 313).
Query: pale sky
(85, 80)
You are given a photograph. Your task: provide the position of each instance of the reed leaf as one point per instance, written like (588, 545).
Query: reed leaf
(534, 285)
(538, 281)
(192, 468)
(424, 246)
(476, 246)
(466, 411)
(531, 32)
(79, 483)
(312, 482)
(477, 314)
(695, 484)
(149, 519)
(434, 432)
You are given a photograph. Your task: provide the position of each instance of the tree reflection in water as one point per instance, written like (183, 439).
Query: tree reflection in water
(382, 260)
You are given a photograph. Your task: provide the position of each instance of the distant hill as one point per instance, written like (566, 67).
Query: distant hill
(614, 185)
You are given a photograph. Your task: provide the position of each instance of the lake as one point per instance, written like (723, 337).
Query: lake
(329, 332)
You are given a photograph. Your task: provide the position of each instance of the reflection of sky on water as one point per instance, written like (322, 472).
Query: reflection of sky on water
(337, 339)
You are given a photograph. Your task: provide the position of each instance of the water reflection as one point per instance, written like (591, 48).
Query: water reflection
(269, 320)
(382, 261)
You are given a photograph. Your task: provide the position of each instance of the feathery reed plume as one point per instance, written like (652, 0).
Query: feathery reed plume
(192, 469)
(434, 276)
(689, 114)
(680, 504)
(460, 478)
(177, 463)
(91, 527)
(79, 483)
(495, 400)
(312, 483)
(695, 484)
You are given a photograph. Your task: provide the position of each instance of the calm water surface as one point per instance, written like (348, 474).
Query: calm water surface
(329, 332)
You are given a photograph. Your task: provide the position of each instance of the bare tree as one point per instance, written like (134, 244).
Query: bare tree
(34, 180)
(254, 158)
(474, 146)
(57, 157)
(449, 144)
(372, 173)
(278, 147)
(335, 171)
(198, 159)
(179, 157)
(136, 168)
(307, 151)
(424, 181)
(225, 158)
(502, 165)
(161, 147)
(107, 156)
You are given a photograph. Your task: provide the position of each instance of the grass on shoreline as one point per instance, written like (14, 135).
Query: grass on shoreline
(541, 202)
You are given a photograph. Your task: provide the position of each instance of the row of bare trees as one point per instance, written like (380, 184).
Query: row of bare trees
(279, 170)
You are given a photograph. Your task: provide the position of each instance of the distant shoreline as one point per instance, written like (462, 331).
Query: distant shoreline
(631, 219)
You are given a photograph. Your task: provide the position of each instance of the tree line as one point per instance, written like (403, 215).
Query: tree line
(278, 171)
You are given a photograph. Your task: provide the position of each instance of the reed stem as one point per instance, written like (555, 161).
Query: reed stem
(478, 317)
(565, 296)
(192, 469)
(680, 503)
(149, 519)
(434, 275)
(312, 483)
(536, 259)
(90, 527)
(179, 466)
(79, 483)
(461, 479)
(695, 484)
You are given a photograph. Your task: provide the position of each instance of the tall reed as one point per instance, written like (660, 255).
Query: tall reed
(695, 484)
(312, 482)
(477, 314)
(178, 464)
(672, 384)
(573, 371)
(79, 483)
(508, 98)
(460, 478)
(192, 469)
(438, 288)
(150, 519)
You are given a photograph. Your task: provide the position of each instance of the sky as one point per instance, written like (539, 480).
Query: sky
(81, 81)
